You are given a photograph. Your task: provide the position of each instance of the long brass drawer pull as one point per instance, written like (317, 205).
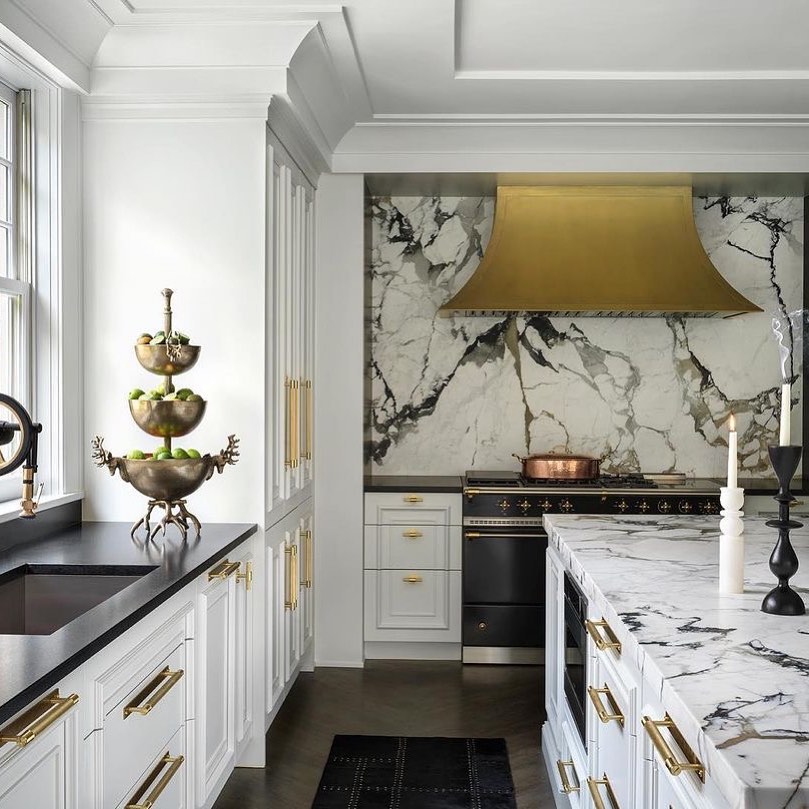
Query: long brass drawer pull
(567, 787)
(174, 763)
(308, 559)
(594, 630)
(412, 580)
(291, 601)
(34, 722)
(412, 533)
(223, 570)
(296, 413)
(593, 785)
(158, 688)
(247, 576)
(288, 425)
(308, 409)
(675, 767)
(413, 498)
(603, 715)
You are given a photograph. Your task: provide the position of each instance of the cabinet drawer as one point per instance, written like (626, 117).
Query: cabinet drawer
(141, 724)
(410, 545)
(490, 625)
(413, 605)
(393, 508)
(171, 763)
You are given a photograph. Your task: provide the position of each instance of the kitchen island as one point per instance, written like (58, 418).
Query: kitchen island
(734, 680)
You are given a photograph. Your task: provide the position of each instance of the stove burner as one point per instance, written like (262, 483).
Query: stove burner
(601, 482)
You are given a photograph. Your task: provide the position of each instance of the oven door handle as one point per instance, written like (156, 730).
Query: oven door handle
(470, 535)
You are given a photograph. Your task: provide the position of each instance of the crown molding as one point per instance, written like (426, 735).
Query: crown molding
(285, 123)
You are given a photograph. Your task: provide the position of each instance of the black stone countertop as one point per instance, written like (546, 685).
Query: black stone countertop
(414, 483)
(31, 664)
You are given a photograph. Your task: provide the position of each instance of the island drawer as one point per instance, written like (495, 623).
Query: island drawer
(409, 544)
(429, 508)
(504, 625)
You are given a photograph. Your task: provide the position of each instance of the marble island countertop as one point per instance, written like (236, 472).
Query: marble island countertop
(738, 678)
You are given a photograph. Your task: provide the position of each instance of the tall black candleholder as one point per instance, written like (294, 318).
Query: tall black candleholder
(783, 600)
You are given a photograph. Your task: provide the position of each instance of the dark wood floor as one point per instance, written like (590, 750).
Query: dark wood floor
(394, 698)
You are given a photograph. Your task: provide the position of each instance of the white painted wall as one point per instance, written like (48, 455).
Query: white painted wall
(339, 372)
(179, 204)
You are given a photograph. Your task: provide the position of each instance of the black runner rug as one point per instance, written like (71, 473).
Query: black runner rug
(390, 772)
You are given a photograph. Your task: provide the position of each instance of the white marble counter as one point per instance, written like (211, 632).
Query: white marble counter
(738, 677)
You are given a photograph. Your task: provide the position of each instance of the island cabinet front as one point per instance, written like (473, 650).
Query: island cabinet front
(608, 741)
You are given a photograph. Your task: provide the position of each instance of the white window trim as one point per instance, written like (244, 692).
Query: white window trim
(52, 396)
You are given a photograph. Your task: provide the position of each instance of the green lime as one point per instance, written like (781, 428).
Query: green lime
(160, 337)
(194, 397)
(163, 456)
(144, 397)
(179, 454)
(193, 453)
(136, 455)
(170, 397)
(135, 393)
(184, 393)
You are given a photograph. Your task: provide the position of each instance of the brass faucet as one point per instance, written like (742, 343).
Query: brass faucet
(25, 454)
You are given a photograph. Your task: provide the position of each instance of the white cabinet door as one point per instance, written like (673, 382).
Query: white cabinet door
(274, 623)
(306, 579)
(215, 682)
(554, 639)
(244, 643)
(44, 774)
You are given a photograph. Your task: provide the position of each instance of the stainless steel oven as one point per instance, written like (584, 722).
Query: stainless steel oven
(575, 665)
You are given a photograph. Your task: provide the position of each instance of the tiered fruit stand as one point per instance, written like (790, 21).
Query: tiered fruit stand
(167, 482)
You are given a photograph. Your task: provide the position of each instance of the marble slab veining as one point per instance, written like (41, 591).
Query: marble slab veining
(652, 394)
(732, 677)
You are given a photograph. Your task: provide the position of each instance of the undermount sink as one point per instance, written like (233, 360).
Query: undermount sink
(39, 599)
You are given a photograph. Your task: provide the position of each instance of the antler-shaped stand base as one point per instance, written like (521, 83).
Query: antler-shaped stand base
(180, 518)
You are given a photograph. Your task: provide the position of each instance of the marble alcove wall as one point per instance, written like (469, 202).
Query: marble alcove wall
(651, 394)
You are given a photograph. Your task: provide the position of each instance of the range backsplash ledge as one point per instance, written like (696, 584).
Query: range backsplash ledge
(448, 394)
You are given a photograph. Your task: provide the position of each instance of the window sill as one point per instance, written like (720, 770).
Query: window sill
(10, 509)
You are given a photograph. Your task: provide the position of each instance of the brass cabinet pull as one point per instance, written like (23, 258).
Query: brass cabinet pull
(288, 425)
(413, 579)
(595, 698)
(308, 559)
(223, 570)
(594, 631)
(34, 722)
(567, 787)
(158, 688)
(413, 498)
(247, 576)
(291, 601)
(174, 763)
(308, 414)
(412, 533)
(675, 767)
(593, 784)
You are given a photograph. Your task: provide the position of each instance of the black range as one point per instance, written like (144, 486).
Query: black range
(505, 543)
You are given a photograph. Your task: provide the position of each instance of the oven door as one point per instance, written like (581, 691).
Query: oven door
(575, 668)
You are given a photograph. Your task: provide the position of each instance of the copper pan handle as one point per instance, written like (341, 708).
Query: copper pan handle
(521, 460)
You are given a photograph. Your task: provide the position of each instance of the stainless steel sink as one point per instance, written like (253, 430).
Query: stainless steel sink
(39, 599)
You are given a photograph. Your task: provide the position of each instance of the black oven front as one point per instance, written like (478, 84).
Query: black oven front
(575, 666)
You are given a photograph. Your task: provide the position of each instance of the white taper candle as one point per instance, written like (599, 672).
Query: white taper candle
(786, 402)
(733, 462)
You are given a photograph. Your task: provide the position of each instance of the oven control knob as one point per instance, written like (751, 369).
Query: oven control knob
(524, 506)
(546, 505)
(566, 505)
(483, 626)
(643, 506)
(685, 507)
(622, 506)
(664, 507)
(709, 507)
(504, 505)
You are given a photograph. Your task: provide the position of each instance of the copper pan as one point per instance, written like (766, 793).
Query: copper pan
(559, 467)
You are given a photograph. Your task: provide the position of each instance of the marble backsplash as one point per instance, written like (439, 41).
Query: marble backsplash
(650, 394)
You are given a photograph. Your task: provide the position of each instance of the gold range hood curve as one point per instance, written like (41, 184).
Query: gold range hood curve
(610, 251)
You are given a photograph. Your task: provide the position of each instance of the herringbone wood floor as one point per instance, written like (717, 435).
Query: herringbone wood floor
(394, 698)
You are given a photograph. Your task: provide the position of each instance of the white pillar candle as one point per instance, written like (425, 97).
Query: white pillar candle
(786, 401)
(732, 453)
(731, 564)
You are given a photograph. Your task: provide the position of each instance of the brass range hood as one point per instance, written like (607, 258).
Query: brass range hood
(597, 251)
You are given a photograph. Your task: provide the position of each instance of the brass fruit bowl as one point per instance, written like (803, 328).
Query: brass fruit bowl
(166, 419)
(167, 480)
(156, 358)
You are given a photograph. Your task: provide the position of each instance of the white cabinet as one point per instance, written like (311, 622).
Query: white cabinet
(245, 616)
(290, 333)
(275, 619)
(554, 640)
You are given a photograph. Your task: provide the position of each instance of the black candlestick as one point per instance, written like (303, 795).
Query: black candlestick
(783, 600)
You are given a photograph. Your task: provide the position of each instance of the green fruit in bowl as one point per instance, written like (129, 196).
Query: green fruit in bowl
(135, 393)
(158, 339)
(180, 454)
(144, 397)
(136, 455)
(184, 393)
(144, 339)
(194, 397)
(193, 453)
(170, 397)
(163, 456)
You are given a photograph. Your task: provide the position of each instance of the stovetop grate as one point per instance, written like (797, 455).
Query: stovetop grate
(515, 480)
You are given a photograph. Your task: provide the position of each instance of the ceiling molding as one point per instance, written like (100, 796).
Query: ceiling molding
(554, 119)
(295, 137)
(173, 108)
(632, 75)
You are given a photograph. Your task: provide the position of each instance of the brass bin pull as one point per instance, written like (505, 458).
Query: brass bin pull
(223, 570)
(34, 722)
(296, 412)
(412, 579)
(174, 763)
(247, 576)
(594, 631)
(412, 533)
(675, 767)
(157, 688)
(308, 559)
(413, 498)
(288, 425)
(291, 601)
(309, 417)
(593, 785)
(601, 711)
(567, 787)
